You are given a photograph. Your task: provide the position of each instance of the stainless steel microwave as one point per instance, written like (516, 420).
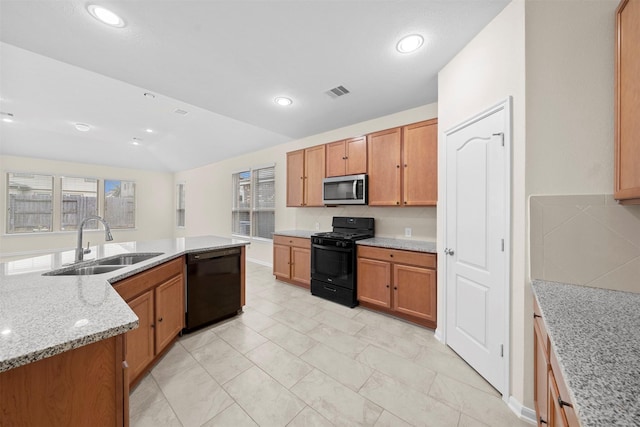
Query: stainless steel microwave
(345, 190)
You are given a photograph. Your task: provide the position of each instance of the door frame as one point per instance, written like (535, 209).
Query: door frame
(506, 105)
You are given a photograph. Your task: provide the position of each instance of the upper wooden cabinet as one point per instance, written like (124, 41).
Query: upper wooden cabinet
(348, 157)
(305, 172)
(627, 103)
(403, 165)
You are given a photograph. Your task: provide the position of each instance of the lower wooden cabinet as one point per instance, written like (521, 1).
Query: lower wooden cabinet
(399, 282)
(551, 395)
(157, 297)
(86, 386)
(292, 260)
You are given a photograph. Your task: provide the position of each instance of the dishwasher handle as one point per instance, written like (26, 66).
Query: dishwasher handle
(205, 256)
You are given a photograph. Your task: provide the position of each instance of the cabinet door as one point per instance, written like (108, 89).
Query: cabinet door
(140, 341)
(301, 265)
(414, 291)
(420, 165)
(282, 261)
(557, 418)
(374, 282)
(627, 103)
(295, 178)
(169, 311)
(336, 159)
(314, 161)
(356, 156)
(384, 167)
(540, 376)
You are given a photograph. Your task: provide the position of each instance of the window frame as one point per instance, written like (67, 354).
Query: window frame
(181, 196)
(91, 225)
(112, 225)
(10, 214)
(252, 210)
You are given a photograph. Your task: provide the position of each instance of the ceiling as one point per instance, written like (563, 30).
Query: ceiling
(223, 62)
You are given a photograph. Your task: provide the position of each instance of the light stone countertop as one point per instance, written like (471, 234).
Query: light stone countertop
(305, 234)
(41, 316)
(407, 245)
(595, 334)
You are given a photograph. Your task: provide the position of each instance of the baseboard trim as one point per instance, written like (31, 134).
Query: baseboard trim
(525, 414)
(438, 335)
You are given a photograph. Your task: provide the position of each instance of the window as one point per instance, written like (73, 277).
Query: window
(120, 203)
(254, 202)
(79, 200)
(180, 205)
(30, 202)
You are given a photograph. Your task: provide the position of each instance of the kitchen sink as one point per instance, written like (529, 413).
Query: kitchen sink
(84, 271)
(104, 265)
(127, 259)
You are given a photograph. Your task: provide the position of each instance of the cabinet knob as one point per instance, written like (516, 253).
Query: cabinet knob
(405, 165)
(395, 288)
(397, 203)
(153, 325)
(536, 315)
(542, 421)
(388, 286)
(398, 166)
(405, 202)
(391, 255)
(160, 319)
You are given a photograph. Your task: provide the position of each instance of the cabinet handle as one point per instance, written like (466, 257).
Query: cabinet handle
(542, 421)
(160, 319)
(329, 289)
(536, 315)
(563, 403)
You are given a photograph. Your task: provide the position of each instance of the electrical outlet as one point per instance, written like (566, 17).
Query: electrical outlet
(317, 226)
(407, 232)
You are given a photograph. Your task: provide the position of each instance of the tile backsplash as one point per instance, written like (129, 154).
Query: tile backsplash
(389, 221)
(585, 239)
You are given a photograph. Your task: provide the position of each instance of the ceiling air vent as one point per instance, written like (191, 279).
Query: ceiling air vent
(337, 91)
(181, 112)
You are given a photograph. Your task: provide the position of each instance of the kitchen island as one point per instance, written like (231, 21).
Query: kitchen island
(43, 317)
(594, 335)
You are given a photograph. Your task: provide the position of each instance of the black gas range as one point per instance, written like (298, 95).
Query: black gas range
(333, 259)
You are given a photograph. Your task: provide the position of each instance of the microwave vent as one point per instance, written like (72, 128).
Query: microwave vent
(337, 91)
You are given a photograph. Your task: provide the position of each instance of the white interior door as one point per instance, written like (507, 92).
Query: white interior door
(477, 215)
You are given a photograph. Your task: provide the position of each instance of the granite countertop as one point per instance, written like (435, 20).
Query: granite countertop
(595, 334)
(305, 234)
(41, 316)
(407, 245)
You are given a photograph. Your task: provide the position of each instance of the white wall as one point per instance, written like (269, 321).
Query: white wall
(208, 191)
(155, 211)
(488, 70)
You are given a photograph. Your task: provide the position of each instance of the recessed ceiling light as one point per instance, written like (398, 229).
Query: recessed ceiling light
(410, 43)
(136, 141)
(283, 101)
(149, 95)
(82, 127)
(105, 16)
(149, 130)
(7, 119)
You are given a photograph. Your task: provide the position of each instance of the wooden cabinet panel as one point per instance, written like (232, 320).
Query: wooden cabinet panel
(420, 167)
(169, 315)
(384, 157)
(295, 178)
(301, 265)
(314, 174)
(140, 341)
(540, 373)
(142, 282)
(292, 260)
(414, 291)
(557, 417)
(627, 103)
(282, 261)
(336, 161)
(80, 387)
(356, 153)
(374, 282)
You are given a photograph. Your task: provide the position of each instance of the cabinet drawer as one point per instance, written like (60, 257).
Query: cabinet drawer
(419, 259)
(299, 242)
(141, 282)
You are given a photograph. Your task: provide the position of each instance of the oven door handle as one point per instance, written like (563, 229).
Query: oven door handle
(331, 248)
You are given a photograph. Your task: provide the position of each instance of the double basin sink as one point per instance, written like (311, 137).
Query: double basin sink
(103, 265)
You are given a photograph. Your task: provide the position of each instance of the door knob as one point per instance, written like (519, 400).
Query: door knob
(448, 251)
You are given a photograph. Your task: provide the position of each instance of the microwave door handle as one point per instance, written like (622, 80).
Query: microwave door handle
(355, 184)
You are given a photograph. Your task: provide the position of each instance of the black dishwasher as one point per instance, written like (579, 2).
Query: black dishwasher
(213, 287)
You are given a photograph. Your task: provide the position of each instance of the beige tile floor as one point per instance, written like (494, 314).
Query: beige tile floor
(292, 359)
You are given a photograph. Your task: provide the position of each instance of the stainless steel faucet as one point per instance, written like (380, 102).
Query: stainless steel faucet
(80, 251)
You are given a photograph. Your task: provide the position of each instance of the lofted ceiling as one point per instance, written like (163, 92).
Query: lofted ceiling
(221, 61)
